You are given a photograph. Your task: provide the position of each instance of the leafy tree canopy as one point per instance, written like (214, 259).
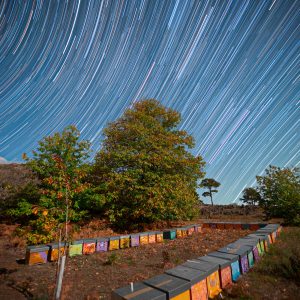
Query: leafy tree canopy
(250, 196)
(148, 172)
(280, 193)
(210, 183)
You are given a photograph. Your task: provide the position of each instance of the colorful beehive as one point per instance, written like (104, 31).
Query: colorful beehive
(89, 246)
(37, 254)
(124, 241)
(198, 228)
(179, 234)
(75, 248)
(54, 248)
(213, 225)
(224, 269)
(197, 279)
(114, 243)
(144, 238)
(159, 236)
(254, 249)
(264, 240)
(190, 230)
(138, 291)
(259, 240)
(205, 225)
(228, 225)
(134, 240)
(152, 237)
(169, 234)
(242, 251)
(254, 226)
(237, 225)
(102, 244)
(268, 232)
(174, 287)
(234, 262)
(212, 272)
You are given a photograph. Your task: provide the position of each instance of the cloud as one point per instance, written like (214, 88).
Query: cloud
(3, 160)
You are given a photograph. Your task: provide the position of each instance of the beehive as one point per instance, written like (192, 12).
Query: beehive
(138, 291)
(190, 230)
(124, 241)
(245, 226)
(54, 248)
(114, 243)
(199, 227)
(213, 225)
(152, 237)
(205, 225)
(254, 226)
(237, 225)
(228, 225)
(37, 254)
(197, 279)
(255, 252)
(89, 246)
(179, 233)
(224, 269)
(75, 248)
(102, 244)
(134, 240)
(159, 237)
(212, 271)
(175, 288)
(220, 225)
(169, 234)
(144, 238)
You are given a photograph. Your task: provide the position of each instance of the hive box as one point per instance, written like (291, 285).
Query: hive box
(37, 254)
(179, 233)
(124, 241)
(134, 240)
(53, 252)
(254, 226)
(152, 237)
(255, 239)
(197, 279)
(245, 226)
(114, 243)
(89, 246)
(102, 244)
(138, 291)
(144, 238)
(237, 225)
(205, 225)
(159, 237)
(263, 238)
(269, 232)
(228, 225)
(174, 288)
(234, 262)
(254, 249)
(75, 248)
(213, 225)
(190, 230)
(224, 269)
(198, 228)
(169, 234)
(212, 275)
(242, 251)
(220, 225)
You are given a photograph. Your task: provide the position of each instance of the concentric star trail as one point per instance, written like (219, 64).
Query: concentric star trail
(231, 68)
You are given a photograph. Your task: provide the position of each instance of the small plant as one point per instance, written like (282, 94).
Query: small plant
(112, 259)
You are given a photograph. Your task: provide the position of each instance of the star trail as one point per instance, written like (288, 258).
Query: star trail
(231, 68)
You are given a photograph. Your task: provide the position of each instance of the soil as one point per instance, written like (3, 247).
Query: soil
(95, 276)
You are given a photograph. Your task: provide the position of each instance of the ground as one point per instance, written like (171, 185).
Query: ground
(95, 276)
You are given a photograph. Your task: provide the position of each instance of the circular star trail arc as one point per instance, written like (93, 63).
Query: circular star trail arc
(230, 67)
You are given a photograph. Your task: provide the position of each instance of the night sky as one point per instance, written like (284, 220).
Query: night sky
(231, 68)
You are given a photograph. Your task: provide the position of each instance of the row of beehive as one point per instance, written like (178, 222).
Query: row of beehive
(43, 253)
(206, 276)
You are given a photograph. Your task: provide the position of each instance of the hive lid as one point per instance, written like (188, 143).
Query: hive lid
(171, 285)
(207, 267)
(126, 236)
(135, 235)
(229, 256)
(235, 248)
(144, 233)
(102, 239)
(38, 248)
(216, 260)
(55, 245)
(192, 275)
(140, 291)
(271, 226)
(89, 241)
(261, 236)
(77, 242)
(114, 238)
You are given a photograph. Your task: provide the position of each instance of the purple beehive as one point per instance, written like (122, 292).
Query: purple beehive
(134, 240)
(102, 245)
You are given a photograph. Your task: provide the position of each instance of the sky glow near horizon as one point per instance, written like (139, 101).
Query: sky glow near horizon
(231, 68)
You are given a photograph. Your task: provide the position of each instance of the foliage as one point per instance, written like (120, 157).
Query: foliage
(209, 183)
(59, 164)
(280, 193)
(250, 196)
(145, 168)
(283, 259)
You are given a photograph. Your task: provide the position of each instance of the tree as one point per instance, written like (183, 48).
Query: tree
(280, 193)
(209, 183)
(250, 196)
(60, 165)
(145, 166)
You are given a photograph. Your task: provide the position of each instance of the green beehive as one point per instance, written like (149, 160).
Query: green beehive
(169, 234)
(75, 248)
(138, 291)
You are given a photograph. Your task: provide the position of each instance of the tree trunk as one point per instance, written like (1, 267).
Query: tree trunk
(212, 204)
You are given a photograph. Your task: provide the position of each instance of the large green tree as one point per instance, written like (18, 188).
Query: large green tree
(211, 185)
(146, 168)
(280, 192)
